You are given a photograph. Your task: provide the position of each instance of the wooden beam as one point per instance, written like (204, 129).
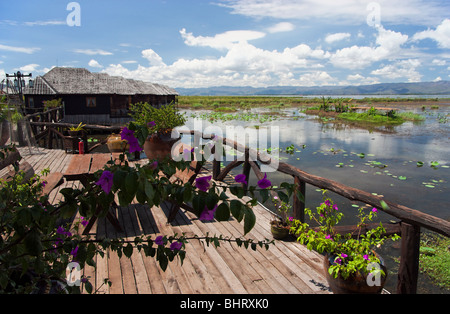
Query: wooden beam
(299, 205)
(408, 272)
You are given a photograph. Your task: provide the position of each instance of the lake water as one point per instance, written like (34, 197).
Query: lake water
(407, 164)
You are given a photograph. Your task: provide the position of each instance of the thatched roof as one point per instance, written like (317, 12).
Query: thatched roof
(68, 81)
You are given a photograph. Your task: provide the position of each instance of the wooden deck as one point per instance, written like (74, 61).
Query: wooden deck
(286, 268)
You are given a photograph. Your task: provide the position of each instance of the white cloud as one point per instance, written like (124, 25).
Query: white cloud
(349, 12)
(45, 23)
(19, 49)
(29, 68)
(402, 69)
(441, 34)
(153, 58)
(438, 62)
(94, 63)
(337, 37)
(358, 79)
(355, 57)
(129, 61)
(91, 52)
(281, 27)
(221, 41)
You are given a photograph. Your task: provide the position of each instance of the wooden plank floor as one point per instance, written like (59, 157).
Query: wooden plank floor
(286, 268)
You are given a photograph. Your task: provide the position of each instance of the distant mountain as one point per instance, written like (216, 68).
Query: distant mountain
(426, 88)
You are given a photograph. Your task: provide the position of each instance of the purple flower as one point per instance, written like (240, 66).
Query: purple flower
(366, 257)
(291, 219)
(328, 237)
(106, 181)
(344, 255)
(151, 124)
(335, 207)
(154, 165)
(338, 261)
(74, 252)
(44, 183)
(128, 136)
(203, 183)
(328, 203)
(208, 214)
(134, 146)
(241, 178)
(374, 210)
(264, 183)
(84, 222)
(159, 240)
(176, 246)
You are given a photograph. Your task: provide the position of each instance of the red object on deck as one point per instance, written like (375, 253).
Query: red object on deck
(81, 147)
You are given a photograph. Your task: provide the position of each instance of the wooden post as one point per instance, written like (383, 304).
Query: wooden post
(299, 205)
(246, 170)
(409, 260)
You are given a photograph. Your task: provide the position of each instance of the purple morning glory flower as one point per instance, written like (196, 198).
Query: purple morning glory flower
(151, 124)
(74, 252)
(207, 214)
(159, 240)
(241, 178)
(176, 246)
(343, 255)
(264, 183)
(128, 136)
(203, 183)
(374, 210)
(335, 207)
(328, 203)
(366, 257)
(106, 181)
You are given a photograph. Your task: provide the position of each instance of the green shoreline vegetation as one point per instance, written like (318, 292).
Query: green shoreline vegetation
(344, 109)
(435, 259)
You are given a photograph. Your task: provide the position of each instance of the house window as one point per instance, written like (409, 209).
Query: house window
(91, 102)
(31, 102)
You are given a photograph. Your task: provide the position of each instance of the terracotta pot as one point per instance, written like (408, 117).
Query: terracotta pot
(159, 146)
(279, 233)
(355, 283)
(4, 132)
(116, 144)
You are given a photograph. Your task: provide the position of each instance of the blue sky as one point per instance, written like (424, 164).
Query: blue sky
(203, 43)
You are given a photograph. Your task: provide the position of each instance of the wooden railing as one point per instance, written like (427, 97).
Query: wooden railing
(411, 220)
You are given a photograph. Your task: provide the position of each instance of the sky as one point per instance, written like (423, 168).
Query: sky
(205, 43)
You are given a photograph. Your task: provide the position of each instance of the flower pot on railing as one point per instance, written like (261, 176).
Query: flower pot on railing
(356, 283)
(159, 146)
(279, 232)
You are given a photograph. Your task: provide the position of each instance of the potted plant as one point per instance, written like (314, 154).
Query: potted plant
(350, 260)
(281, 224)
(74, 131)
(155, 125)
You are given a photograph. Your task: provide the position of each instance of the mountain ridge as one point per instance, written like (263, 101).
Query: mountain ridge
(422, 88)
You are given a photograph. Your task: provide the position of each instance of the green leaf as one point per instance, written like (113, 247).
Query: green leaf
(249, 221)
(33, 243)
(131, 183)
(236, 210)
(128, 250)
(283, 197)
(149, 191)
(223, 212)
